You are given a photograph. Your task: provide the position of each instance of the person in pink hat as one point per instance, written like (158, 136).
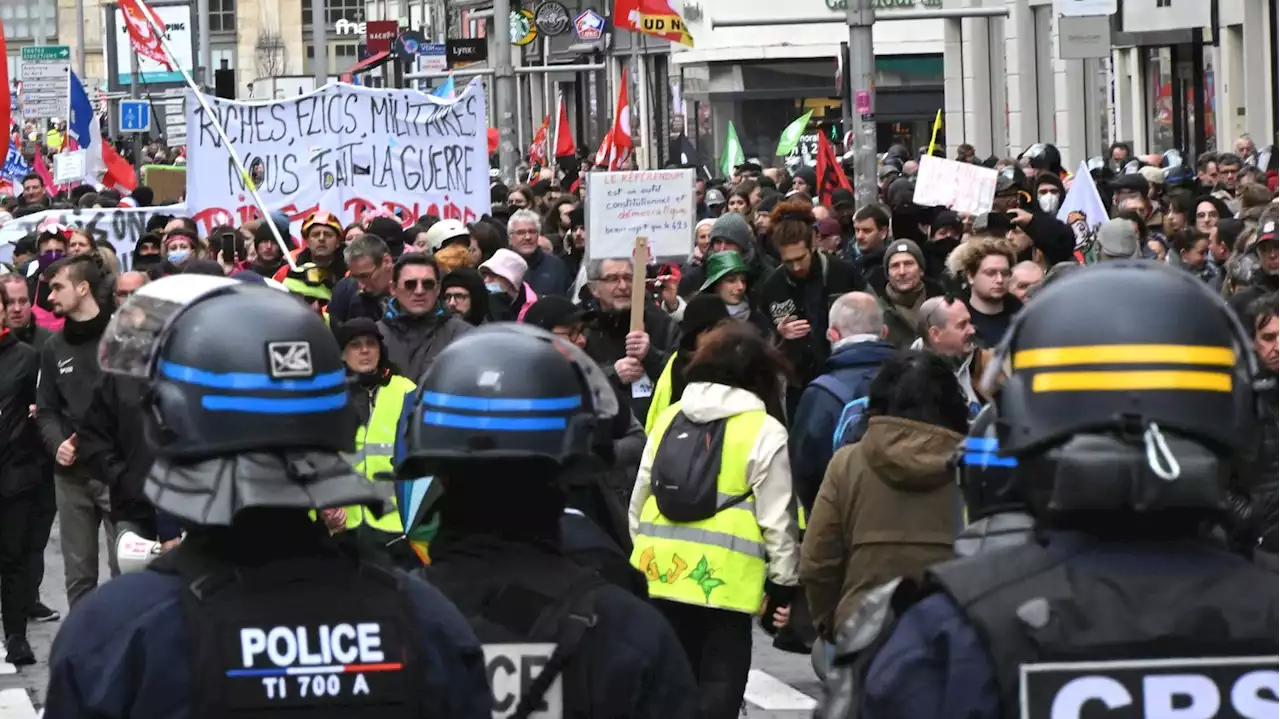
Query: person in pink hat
(509, 295)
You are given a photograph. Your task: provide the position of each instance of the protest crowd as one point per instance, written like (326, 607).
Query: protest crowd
(841, 355)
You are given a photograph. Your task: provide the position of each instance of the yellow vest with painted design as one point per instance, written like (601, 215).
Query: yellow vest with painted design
(716, 562)
(375, 450)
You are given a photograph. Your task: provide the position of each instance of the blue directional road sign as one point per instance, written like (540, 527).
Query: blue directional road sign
(135, 116)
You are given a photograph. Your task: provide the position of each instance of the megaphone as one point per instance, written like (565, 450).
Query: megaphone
(134, 552)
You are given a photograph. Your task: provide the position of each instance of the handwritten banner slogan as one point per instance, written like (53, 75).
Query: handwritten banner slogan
(345, 149)
(622, 206)
(121, 226)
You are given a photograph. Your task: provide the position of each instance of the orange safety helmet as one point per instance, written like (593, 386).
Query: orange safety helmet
(321, 217)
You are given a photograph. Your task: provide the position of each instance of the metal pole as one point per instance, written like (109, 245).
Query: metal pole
(546, 99)
(938, 14)
(205, 49)
(79, 41)
(133, 93)
(860, 16)
(504, 91)
(319, 56)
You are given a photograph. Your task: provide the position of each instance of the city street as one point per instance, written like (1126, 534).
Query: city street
(781, 685)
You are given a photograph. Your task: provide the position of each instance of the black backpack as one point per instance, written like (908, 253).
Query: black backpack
(685, 475)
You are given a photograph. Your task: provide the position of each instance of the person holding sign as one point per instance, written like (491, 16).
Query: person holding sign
(1118, 435)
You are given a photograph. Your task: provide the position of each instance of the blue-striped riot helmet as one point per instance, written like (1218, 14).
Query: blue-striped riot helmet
(246, 402)
(506, 392)
(987, 477)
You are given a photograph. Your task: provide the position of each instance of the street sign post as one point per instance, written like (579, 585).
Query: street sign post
(135, 116)
(46, 81)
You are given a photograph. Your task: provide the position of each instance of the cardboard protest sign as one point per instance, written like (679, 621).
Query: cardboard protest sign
(654, 204)
(345, 149)
(121, 226)
(169, 183)
(961, 186)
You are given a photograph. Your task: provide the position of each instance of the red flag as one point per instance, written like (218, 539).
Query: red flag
(120, 173)
(537, 150)
(145, 41)
(830, 174)
(6, 112)
(616, 147)
(651, 17)
(564, 138)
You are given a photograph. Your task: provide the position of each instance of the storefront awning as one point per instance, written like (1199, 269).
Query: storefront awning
(372, 62)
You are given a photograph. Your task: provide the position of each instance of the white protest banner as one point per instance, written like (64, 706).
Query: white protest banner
(1082, 208)
(345, 149)
(69, 167)
(961, 186)
(121, 226)
(657, 204)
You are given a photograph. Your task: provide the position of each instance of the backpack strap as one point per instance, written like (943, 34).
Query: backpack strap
(577, 617)
(834, 387)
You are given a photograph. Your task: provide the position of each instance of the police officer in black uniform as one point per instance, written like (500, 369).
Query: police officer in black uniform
(500, 419)
(257, 613)
(1123, 421)
(996, 509)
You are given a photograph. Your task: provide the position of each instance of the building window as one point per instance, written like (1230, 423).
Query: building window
(335, 10)
(222, 15)
(340, 56)
(30, 19)
(224, 58)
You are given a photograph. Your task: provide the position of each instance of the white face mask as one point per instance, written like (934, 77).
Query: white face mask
(495, 288)
(1049, 202)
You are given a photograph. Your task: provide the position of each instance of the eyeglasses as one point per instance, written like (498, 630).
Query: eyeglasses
(616, 279)
(524, 233)
(997, 273)
(427, 285)
(1206, 215)
(572, 334)
(457, 296)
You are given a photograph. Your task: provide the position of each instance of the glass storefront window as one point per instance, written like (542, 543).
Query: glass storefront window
(1210, 104)
(30, 19)
(1160, 132)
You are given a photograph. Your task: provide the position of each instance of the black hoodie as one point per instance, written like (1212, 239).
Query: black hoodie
(68, 373)
(471, 281)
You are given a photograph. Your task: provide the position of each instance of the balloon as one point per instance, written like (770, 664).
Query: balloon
(493, 140)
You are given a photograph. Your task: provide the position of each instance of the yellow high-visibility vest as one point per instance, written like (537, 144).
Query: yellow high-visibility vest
(717, 562)
(376, 448)
(661, 398)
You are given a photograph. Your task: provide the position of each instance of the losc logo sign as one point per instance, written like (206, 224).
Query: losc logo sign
(1218, 688)
(511, 669)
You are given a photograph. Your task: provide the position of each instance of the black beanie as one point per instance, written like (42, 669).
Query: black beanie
(702, 313)
(353, 328)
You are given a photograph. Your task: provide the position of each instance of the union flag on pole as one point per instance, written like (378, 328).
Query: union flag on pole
(142, 35)
(616, 148)
(652, 17)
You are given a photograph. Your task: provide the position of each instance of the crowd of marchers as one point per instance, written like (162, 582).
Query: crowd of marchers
(838, 350)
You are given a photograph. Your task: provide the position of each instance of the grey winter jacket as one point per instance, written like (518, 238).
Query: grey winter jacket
(413, 343)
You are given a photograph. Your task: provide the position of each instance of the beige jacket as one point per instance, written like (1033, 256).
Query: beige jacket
(768, 470)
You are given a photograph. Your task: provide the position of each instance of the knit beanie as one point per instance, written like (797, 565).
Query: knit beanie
(899, 246)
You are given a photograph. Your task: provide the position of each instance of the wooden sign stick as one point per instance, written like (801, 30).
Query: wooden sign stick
(639, 267)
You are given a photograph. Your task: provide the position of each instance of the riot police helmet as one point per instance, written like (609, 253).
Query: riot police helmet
(1133, 167)
(241, 413)
(1100, 169)
(1113, 403)
(1011, 180)
(986, 475)
(505, 392)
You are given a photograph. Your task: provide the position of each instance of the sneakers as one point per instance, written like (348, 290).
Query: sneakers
(41, 613)
(18, 651)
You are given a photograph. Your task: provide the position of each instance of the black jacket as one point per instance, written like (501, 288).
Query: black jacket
(111, 444)
(349, 303)
(630, 658)
(21, 456)
(871, 266)
(68, 374)
(607, 342)
(1054, 239)
(547, 274)
(810, 299)
(34, 335)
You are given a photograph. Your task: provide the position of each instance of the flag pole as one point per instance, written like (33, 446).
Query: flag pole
(285, 249)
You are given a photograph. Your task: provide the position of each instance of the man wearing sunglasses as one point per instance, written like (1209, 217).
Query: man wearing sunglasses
(416, 328)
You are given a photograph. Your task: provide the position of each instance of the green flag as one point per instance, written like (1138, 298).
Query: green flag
(733, 155)
(791, 136)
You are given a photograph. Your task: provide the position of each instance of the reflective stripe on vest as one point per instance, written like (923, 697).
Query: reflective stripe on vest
(720, 561)
(662, 398)
(375, 450)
